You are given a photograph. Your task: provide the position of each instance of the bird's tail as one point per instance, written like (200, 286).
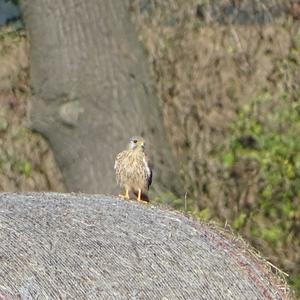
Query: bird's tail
(144, 196)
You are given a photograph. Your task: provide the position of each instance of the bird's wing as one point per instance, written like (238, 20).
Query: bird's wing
(148, 170)
(119, 166)
(118, 158)
(150, 179)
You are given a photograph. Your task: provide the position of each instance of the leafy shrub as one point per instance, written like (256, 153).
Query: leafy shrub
(272, 143)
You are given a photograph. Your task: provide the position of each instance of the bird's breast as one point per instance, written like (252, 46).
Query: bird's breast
(133, 170)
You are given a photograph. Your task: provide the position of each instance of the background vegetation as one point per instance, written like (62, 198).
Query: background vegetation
(228, 79)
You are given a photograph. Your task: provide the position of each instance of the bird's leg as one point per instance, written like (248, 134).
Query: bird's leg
(126, 196)
(139, 195)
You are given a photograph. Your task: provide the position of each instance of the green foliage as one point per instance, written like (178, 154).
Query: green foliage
(297, 39)
(185, 204)
(272, 234)
(24, 168)
(3, 124)
(295, 281)
(272, 143)
(228, 159)
(170, 199)
(239, 221)
(204, 214)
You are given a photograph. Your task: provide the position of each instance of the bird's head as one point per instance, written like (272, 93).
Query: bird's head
(136, 142)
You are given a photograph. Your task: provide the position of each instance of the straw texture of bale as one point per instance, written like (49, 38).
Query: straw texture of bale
(76, 246)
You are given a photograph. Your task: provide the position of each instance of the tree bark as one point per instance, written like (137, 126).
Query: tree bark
(68, 246)
(91, 90)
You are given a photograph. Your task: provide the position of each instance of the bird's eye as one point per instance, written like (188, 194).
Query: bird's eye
(135, 141)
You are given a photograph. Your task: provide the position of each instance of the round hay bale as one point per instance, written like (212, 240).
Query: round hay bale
(77, 246)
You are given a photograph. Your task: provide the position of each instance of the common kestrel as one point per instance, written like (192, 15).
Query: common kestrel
(132, 169)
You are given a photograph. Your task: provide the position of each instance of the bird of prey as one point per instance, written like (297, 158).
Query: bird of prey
(132, 170)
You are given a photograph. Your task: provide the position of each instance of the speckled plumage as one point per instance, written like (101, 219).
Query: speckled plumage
(132, 170)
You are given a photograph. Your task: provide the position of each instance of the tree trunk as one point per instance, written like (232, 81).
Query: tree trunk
(91, 90)
(67, 246)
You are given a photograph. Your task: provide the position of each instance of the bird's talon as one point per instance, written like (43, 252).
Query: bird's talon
(124, 197)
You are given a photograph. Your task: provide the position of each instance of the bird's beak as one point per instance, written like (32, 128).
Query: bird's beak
(143, 145)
